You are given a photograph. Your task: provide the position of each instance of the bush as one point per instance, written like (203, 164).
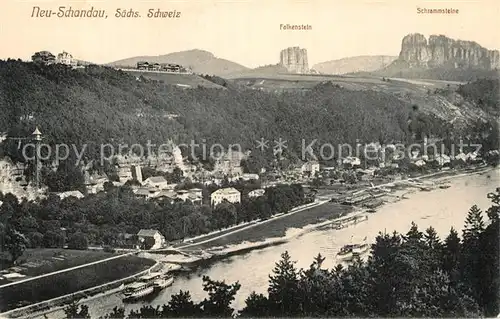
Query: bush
(53, 239)
(109, 249)
(36, 240)
(78, 241)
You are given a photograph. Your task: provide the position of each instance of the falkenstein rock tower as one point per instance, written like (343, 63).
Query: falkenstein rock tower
(294, 59)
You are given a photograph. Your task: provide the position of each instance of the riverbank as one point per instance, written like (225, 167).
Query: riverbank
(279, 231)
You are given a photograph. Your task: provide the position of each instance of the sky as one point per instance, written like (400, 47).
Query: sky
(243, 31)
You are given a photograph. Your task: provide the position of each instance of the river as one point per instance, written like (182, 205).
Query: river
(441, 208)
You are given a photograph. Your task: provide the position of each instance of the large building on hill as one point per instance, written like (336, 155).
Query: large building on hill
(66, 58)
(165, 67)
(229, 194)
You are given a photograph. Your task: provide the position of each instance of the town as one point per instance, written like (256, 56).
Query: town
(197, 167)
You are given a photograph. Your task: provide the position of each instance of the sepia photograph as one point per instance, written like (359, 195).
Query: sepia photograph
(249, 159)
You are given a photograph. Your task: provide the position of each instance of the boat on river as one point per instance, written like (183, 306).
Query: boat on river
(345, 253)
(353, 251)
(359, 249)
(146, 286)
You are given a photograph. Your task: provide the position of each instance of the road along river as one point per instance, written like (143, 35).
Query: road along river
(440, 208)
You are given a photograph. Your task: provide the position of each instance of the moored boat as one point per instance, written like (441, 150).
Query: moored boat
(146, 286)
(345, 253)
(163, 282)
(137, 290)
(359, 249)
(353, 251)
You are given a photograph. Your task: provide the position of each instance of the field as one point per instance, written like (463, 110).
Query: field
(60, 284)
(181, 80)
(36, 262)
(278, 227)
(291, 81)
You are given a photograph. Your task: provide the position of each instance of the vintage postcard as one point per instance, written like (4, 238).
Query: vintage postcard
(249, 158)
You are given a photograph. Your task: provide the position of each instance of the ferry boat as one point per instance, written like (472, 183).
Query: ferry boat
(345, 253)
(359, 249)
(352, 251)
(146, 286)
(137, 290)
(163, 282)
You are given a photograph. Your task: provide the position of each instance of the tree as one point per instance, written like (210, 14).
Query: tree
(13, 242)
(74, 311)
(67, 177)
(283, 287)
(451, 255)
(78, 241)
(44, 57)
(176, 176)
(54, 239)
(181, 305)
(118, 313)
(257, 305)
(221, 295)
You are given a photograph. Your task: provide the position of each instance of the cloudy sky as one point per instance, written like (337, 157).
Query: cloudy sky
(247, 31)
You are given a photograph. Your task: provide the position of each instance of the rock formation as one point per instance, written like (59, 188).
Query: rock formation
(294, 59)
(441, 51)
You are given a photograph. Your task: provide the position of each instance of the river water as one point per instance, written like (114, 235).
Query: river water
(441, 208)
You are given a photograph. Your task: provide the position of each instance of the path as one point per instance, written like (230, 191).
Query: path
(293, 211)
(64, 270)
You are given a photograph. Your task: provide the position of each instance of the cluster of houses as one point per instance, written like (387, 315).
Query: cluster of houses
(164, 67)
(45, 57)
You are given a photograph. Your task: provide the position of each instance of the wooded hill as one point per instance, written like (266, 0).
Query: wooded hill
(99, 105)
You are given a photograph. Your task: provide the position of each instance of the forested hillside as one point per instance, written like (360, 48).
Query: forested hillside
(99, 105)
(484, 92)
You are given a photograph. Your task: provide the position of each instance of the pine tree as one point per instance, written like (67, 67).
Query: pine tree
(283, 287)
(181, 305)
(384, 277)
(451, 255)
(470, 254)
(221, 295)
(474, 225)
(489, 260)
(257, 305)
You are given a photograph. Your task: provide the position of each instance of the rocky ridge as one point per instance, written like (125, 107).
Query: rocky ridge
(439, 51)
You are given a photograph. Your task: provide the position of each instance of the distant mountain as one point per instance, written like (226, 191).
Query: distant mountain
(272, 69)
(200, 61)
(442, 58)
(365, 63)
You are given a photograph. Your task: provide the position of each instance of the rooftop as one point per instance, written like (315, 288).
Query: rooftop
(147, 232)
(156, 179)
(226, 191)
